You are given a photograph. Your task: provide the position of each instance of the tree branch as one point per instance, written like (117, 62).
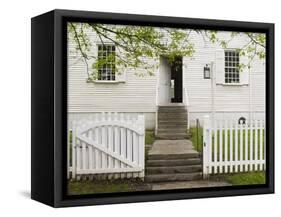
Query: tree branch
(254, 40)
(131, 35)
(80, 48)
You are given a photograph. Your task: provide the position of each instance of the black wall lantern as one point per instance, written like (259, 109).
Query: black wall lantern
(207, 72)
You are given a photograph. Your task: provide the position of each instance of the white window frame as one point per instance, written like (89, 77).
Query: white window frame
(99, 80)
(230, 64)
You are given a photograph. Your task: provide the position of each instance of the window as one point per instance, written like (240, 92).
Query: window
(231, 67)
(106, 53)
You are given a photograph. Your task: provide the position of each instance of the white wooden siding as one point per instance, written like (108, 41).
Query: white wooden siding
(227, 98)
(138, 94)
(135, 94)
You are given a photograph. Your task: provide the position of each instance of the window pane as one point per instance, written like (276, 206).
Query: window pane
(231, 67)
(106, 53)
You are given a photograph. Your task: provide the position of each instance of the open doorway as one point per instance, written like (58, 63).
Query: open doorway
(170, 81)
(176, 80)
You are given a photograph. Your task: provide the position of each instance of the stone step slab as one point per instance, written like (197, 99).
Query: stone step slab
(173, 162)
(173, 177)
(173, 169)
(192, 154)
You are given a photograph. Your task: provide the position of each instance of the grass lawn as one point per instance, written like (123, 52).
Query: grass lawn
(249, 178)
(197, 140)
(246, 178)
(149, 140)
(149, 137)
(106, 186)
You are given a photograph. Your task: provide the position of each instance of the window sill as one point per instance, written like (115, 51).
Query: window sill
(106, 82)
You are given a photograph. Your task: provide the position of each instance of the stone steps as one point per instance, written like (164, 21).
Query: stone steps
(173, 162)
(173, 177)
(172, 122)
(172, 110)
(173, 156)
(173, 105)
(175, 123)
(147, 147)
(171, 130)
(173, 169)
(178, 115)
(164, 129)
(172, 136)
(167, 124)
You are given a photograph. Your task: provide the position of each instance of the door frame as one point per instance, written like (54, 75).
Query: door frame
(163, 98)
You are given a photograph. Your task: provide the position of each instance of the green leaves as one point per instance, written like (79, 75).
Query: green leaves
(223, 44)
(253, 47)
(138, 47)
(213, 36)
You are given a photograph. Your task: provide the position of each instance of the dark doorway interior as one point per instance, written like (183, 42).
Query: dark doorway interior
(176, 77)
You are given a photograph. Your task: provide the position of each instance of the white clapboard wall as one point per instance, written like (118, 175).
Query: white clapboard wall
(231, 147)
(107, 146)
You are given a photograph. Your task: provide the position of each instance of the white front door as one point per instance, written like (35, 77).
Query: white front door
(164, 82)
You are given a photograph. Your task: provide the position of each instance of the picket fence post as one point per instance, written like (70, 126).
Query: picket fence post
(68, 157)
(141, 144)
(73, 150)
(206, 145)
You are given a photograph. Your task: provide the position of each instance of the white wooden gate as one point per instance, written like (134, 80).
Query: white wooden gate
(231, 147)
(109, 145)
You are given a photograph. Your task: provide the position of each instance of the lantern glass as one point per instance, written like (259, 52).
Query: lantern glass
(207, 72)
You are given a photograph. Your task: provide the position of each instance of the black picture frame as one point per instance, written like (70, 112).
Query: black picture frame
(49, 108)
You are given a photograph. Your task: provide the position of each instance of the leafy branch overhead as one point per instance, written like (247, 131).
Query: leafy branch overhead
(140, 46)
(254, 47)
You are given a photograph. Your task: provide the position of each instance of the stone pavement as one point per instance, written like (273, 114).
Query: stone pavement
(166, 147)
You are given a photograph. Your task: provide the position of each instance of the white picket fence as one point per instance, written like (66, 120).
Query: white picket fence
(230, 147)
(107, 146)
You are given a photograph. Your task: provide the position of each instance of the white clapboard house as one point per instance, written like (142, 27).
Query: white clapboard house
(186, 93)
